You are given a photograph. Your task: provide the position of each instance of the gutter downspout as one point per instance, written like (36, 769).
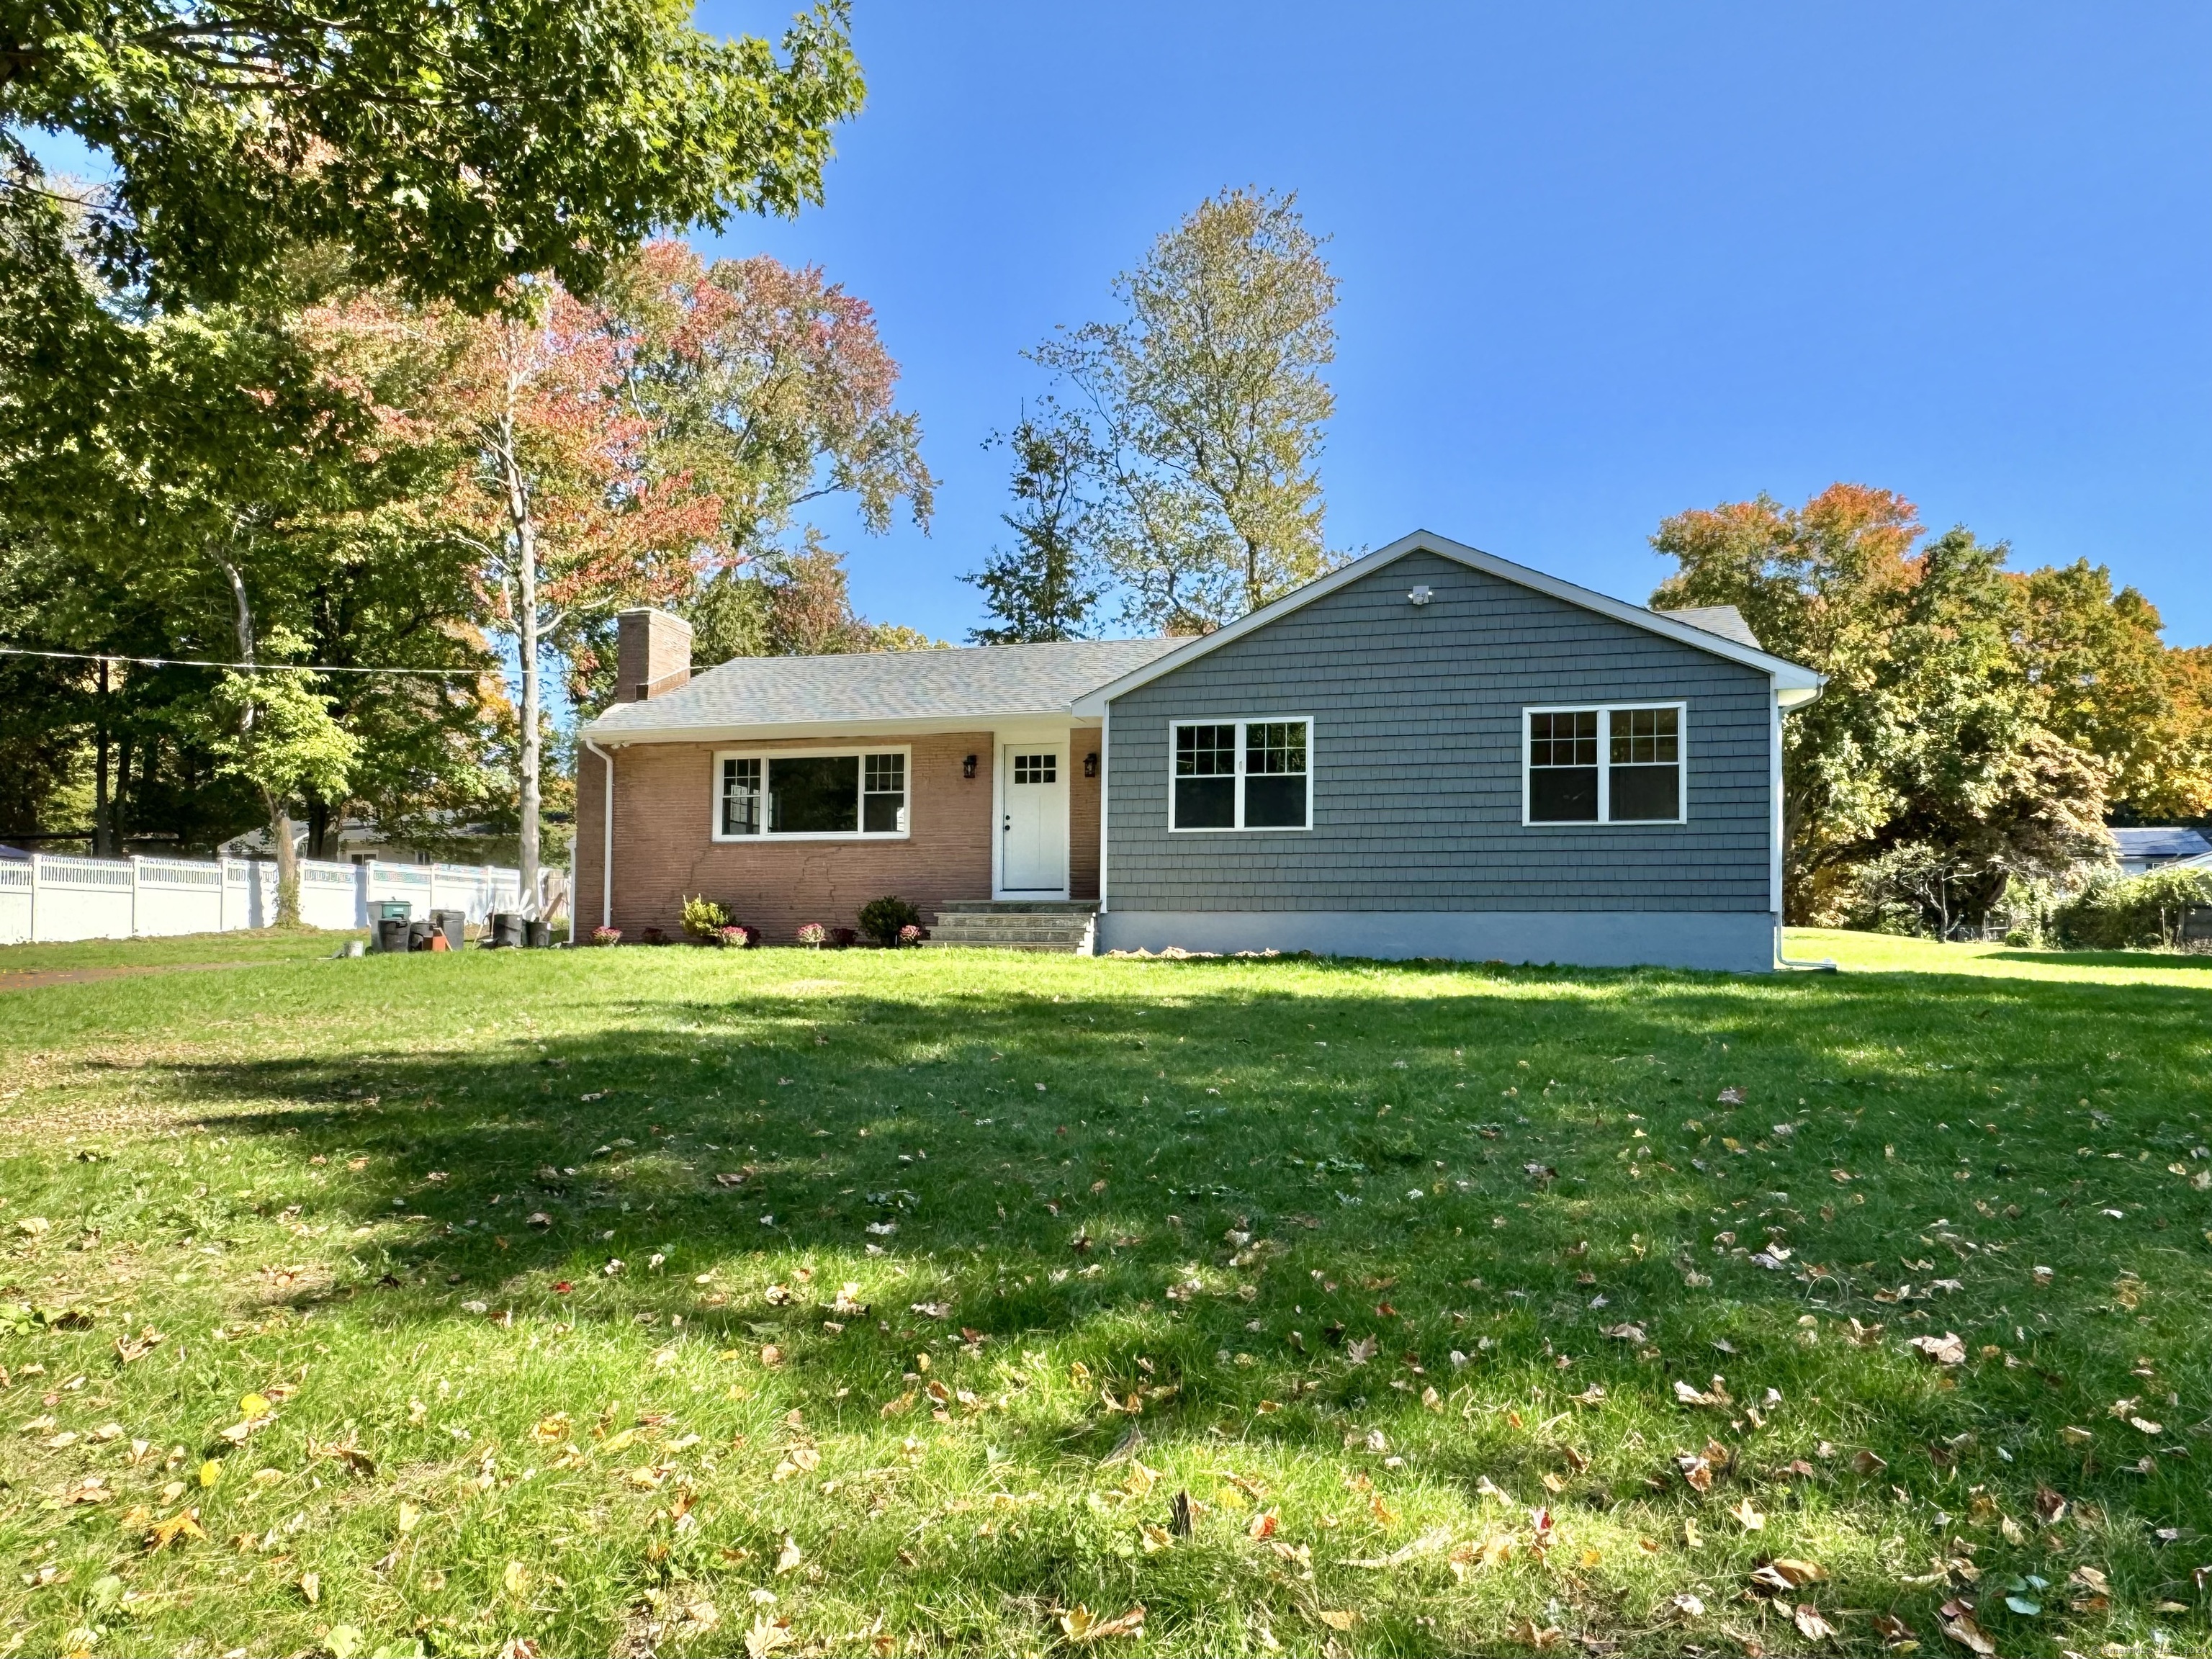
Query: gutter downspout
(606, 843)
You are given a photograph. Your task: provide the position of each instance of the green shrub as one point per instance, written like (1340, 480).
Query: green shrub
(2130, 913)
(704, 920)
(881, 920)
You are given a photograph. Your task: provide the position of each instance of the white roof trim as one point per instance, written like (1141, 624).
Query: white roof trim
(1794, 683)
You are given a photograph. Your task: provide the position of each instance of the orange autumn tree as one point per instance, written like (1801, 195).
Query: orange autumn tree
(1934, 761)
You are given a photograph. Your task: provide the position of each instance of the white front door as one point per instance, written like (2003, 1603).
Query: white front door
(1033, 821)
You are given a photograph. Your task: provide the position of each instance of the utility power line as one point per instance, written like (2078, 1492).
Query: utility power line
(249, 667)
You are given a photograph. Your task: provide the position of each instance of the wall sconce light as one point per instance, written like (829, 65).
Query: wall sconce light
(1090, 764)
(968, 767)
(1422, 595)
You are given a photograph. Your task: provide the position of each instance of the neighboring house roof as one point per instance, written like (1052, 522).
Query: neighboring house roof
(1716, 629)
(920, 690)
(2160, 842)
(1724, 620)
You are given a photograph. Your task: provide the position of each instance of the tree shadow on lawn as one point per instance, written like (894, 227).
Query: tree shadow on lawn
(1276, 1217)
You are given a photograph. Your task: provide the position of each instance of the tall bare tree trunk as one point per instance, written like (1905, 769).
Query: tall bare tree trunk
(524, 523)
(280, 816)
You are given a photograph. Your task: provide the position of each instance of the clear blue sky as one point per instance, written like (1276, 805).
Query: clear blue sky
(1599, 262)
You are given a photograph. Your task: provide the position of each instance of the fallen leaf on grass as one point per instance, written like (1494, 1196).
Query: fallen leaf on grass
(1958, 1621)
(1544, 1641)
(1788, 1572)
(1336, 1619)
(1084, 1625)
(1810, 1623)
(1747, 1515)
(789, 1556)
(1948, 1349)
(185, 1524)
(766, 1635)
(1689, 1606)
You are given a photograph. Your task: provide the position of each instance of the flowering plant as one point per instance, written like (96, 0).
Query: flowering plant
(607, 936)
(736, 936)
(813, 933)
(909, 934)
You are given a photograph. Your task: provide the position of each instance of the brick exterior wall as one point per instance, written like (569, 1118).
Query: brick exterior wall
(1083, 815)
(664, 850)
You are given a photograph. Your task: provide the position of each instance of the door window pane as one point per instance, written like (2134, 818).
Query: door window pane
(1563, 767)
(814, 794)
(741, 793)
(1036, 769)
(883, 808)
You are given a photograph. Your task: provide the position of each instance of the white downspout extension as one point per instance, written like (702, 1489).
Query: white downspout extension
(606, 846)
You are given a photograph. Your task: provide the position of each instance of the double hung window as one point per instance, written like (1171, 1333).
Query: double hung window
(842, 793)
(1241, 775)
(1604, 765)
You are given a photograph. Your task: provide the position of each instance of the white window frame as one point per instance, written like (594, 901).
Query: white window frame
(766, 756)
(1604, 712)
(1240, 721)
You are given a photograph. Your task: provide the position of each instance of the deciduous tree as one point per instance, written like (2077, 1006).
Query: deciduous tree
(1207, 404)
(1936, 732)
(449, 148)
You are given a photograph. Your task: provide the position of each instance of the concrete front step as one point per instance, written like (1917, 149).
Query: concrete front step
(1016, 925)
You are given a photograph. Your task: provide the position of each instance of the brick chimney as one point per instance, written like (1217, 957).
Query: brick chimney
(653, 655)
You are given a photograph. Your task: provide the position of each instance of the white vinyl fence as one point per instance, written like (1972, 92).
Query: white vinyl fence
(46, 898)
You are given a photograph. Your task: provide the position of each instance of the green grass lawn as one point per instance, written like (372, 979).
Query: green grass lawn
(692, 1301)
(240, 948)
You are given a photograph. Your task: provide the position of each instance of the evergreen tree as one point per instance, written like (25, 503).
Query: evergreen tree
(1046, 587)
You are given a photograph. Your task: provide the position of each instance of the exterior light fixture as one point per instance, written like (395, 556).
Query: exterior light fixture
(1090, 764)
(968, 767)
(1421, 595)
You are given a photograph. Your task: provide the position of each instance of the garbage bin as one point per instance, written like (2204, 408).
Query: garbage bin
(505, 930)
(381, 911)
(454, 924)
(539, 934)
(418, 934)
(391, 933)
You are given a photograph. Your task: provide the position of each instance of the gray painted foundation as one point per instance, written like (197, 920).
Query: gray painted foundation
(1741, 942)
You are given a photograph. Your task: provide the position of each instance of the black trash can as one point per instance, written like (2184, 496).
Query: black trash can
(392, 932)
(539, 934)
(454, 924)
(418, 934)
(505, 930)
(381, 911)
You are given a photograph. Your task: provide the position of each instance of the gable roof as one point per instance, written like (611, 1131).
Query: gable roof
(950, 689)
(1794, 683)
(2161, 842)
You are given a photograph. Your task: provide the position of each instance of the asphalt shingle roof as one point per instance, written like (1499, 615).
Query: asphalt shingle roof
(2160, 842)
(1724, 620)
(993, 680)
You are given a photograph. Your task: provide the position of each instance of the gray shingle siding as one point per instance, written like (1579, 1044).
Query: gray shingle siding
(1416, 752)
